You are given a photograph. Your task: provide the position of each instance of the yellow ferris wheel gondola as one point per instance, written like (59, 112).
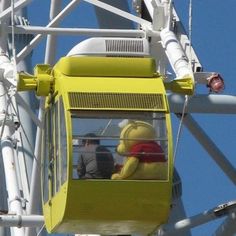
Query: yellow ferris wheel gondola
(94, 95)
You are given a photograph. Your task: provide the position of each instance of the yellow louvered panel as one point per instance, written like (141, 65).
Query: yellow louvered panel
(117, 101)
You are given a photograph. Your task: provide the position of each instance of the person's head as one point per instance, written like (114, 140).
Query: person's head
(90, 138)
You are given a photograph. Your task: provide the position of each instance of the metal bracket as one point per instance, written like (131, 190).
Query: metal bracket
(193, 221)
(225, 208)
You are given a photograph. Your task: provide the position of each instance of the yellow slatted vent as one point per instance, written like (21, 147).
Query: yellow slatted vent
(120, 101)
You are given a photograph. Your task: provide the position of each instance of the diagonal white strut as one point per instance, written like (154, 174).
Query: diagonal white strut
(175, 54)
(119, 12)
(210, 147)
(202, 218)
(27, 49)
(17, 6)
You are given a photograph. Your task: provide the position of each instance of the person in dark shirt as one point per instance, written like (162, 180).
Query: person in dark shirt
(95, 160)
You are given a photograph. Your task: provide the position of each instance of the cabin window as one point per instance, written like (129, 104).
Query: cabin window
(63, 143)
(56, 138)
(45, 158)
(104, 128)
(54, 150)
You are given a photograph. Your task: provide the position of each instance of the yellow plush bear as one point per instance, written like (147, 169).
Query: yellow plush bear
(145, 158)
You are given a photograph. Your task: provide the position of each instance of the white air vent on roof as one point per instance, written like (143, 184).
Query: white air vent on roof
(124, 45)
(131, 47)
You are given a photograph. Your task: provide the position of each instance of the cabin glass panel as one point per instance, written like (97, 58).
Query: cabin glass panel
(45, 157)
(57, 140)
(48, 154)
(105, 127)
(63, 143)
(54, 150)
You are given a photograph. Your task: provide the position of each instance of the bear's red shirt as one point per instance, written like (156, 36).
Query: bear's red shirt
(148, 152)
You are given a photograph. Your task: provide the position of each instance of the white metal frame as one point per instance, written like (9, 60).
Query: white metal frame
(163, 37)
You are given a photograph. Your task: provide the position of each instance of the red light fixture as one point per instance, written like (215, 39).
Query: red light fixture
(216, 83)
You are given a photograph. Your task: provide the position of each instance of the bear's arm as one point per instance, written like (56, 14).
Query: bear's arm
(128, 169)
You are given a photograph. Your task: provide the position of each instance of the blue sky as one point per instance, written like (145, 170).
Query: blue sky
(213, 36)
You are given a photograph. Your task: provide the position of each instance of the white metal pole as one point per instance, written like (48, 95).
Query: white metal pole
(7, 130)
(26, 50)
(215, 104)
(50, 52)
(4, 205)
(146, 24)
(82, 31)
(26, 131)
(175, 54)
(202, 218)
(17, 6)
(21, 221)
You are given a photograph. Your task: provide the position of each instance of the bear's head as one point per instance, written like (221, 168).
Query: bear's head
(134, 132)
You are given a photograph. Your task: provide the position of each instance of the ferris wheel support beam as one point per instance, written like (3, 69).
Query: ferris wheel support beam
(3, 189)
(20, 221)
(185, 43)
(17, 6)
(145, 24)
(82, 31)
(175, 54)
(50, 52)
(27, 49)
(166, 13)
(210, 147)
(4, 5)
(7, 130)
(215, 104)
(202, 218)
(20, 162)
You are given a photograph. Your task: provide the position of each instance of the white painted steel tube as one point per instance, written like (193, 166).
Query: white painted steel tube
(213, 103)
(202, 218)
(182, 225)
(117, 11)
(17, 6)
(7, 129)
(82, 31)
(175, 53)
(3, 49)
(50, 52)
(21, 221)
(27, 49)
